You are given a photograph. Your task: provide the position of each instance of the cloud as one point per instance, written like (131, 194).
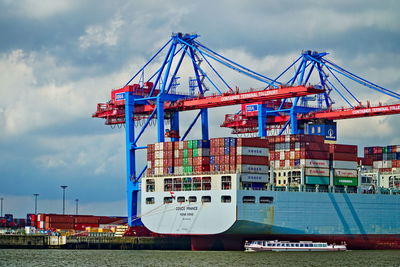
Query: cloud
(96, 35)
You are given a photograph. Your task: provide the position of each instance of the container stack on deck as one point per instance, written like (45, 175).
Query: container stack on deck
(344, 164)
(301, 151)
(385, 159)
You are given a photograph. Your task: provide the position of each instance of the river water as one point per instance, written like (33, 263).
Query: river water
(58, 257)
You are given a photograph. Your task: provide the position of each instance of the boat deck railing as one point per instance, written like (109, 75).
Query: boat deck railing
(328, 189)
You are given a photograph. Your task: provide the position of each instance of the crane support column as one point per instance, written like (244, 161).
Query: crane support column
(262, 119)
(160, 119)
(204, 124)
(174, 121)
(132, 186)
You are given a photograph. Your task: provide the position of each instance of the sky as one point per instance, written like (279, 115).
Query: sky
(58, 59)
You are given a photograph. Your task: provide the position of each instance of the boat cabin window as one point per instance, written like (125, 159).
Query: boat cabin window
(205, 199)
(187, 184)
(301, 245)
(177, 184)
(226, 182)
(206, 183)
(180, 199)
(267, 200)
(150, 200)
(167, 200)
(192, 199)
(249, 199)
(167, 184)
(297, 245)
(226, 199)
(150, 185)
(196, 183)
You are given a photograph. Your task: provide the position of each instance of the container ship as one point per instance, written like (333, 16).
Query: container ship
(293, 182)
(225, 191)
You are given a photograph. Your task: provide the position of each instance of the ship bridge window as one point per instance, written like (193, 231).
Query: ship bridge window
(266, 200)
(206, 199)
(206, 183)
(226, 199)
(150, 185)
(192, 199)
(196, 183)
(249, 199)
(226, 182)
(180, 199)
(187, 184)
(167, 200)
(177, 184)
(167, 184)
(150, 200)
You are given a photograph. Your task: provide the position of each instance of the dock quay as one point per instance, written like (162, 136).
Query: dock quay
(92, 242)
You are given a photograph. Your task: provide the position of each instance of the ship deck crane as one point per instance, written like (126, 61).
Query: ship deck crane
(277, 103)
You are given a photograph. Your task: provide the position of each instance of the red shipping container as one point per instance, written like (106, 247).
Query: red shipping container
(86, 219)
(395, 163)
(221, 151)
(281, 163)
(377, 150)
(385, 170)
(305, 154)
(344, 156)
(232, 152)
(252, 142)
(333, 148)
(253, 160)
(226, 159)
(287, 154)
(232, 160)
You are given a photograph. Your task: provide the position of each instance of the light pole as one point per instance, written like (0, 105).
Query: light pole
(1, 200)
(63, 188)
(36, 195)
(76, 207)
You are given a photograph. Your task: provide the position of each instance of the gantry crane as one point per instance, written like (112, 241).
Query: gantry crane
(145, 98)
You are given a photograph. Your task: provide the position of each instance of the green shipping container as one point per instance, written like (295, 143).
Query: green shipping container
(190, 144)
(384, 149)
(185, 161)
(195, 152)
(194, 145)
(350, 181)
(317, 180)
(185, 153)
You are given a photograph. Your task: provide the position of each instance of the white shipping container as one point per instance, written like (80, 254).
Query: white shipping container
(272, 163)
(377, 164)
(316, 172)
(287, 138)
(158, 146)
(345, 173)
(247, 168)
(281, 155)
(292, 154)
(180, 144)
(397, 149)
(252, 151)
(159, 154)
(387, 164)
(41, 224)
(316, 163)
(340, 164)
(287, 163)
(176, 153)
(277, 164)
(254, 177)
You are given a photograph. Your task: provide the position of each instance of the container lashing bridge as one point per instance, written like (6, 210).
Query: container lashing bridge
(277, 104)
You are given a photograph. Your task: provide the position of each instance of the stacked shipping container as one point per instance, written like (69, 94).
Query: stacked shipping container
(301, 151)
(218, 155)
(344, 164)
(72, 222)
(384, 159)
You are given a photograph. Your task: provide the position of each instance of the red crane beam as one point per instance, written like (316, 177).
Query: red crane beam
(115, 113)
(250, 123)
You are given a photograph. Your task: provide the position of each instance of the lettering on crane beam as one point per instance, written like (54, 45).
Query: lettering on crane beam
(252, 95)
(377, 109)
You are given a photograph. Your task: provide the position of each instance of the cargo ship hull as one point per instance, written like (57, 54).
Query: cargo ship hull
(224, 219)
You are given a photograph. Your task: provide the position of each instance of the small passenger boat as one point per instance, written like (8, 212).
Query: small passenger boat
(275, 245)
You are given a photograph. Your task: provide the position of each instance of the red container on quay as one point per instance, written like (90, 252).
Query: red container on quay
(252, 160)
